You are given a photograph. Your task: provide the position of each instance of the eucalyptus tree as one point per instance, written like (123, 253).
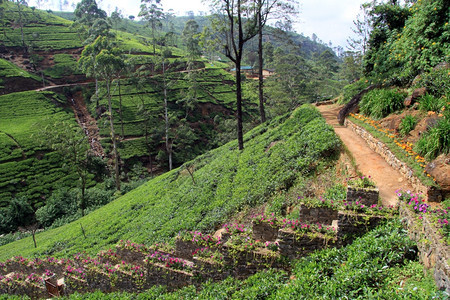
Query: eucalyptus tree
(152, 13)
(86, 13)
(283, 11)
(108, 63)
(190, 37)
(21, 20)
(237, 20)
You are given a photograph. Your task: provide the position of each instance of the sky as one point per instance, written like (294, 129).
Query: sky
(330, 20)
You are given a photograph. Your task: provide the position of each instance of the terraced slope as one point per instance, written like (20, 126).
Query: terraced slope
(41, 30)
(215, 97)
(26, 168)
(223, 182)
(12, 78)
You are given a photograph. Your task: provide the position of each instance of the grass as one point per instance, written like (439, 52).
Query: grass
(226, 181)
(379, 103)
(27, 168)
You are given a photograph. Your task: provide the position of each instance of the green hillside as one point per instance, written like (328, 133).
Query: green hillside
(27, 168)
(12, 78)
(224, 181)
(41, 30)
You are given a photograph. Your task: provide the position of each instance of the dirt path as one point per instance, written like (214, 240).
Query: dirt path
(88, 123)
(368, 162)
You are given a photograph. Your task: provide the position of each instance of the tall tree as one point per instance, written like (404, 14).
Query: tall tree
(108, 63)
(190, 37)
(21, 20)
(238, 21)
(152, 12)
(86, 13)
(278, 9)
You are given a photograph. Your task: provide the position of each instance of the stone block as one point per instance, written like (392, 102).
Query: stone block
(366, 196)
(321, 215)
(264, 231)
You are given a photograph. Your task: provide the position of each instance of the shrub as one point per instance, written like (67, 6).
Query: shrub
(437, 82)
(436, 140)
(18, 213)
(430, 103)
(407, 124)
(62, 202)
(381, 102)
(362, 182)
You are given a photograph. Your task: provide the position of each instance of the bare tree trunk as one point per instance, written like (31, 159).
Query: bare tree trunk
(166, 119)
(96, 93)
(33, 232)
(113, 137)
(83, 178)
(239, 105)
(120, 110)
(262, 111)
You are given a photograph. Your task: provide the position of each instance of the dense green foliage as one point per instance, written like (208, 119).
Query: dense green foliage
(408, 39)
(436, 140)
(224, 181)
(381, 102)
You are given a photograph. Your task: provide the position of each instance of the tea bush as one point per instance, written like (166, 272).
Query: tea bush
(226, 180)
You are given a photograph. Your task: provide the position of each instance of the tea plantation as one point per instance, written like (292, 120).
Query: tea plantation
(42, 30)
(224, 181)
(27, 168)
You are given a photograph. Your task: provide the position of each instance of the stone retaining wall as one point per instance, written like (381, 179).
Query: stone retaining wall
(433, 253)
(366, 196)
(352, 225)
(433, 194)
(322, 215)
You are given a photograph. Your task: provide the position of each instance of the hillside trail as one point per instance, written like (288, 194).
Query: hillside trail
(87, 123)
(368, 162)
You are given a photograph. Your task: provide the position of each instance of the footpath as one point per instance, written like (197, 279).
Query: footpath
(368, 162)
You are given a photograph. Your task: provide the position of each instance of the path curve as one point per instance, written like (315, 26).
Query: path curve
(367, 161)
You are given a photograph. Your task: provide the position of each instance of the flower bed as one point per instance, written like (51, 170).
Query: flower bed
(265, 228)
(439, 217)
(169, 261)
